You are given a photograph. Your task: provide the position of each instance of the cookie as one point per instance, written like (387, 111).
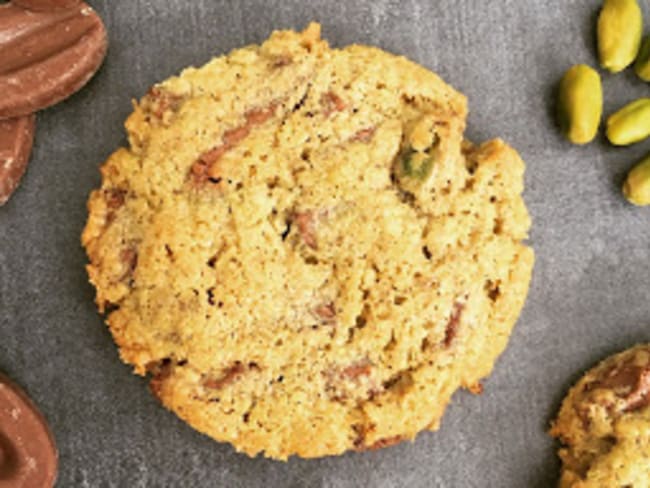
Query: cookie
(303, 253)
(604, 424)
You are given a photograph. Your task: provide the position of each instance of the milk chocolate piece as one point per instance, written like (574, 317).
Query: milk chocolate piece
(16, 137)
(46, 56)
(28, 455)
(630, 382)
(45, 4)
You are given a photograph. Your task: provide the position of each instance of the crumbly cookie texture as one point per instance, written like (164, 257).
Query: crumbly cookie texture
(301, 250)
(604, 424)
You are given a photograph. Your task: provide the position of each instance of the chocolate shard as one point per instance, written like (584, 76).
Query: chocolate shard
(28, 454)
(46, 56)
(16, 138)
(45, 4)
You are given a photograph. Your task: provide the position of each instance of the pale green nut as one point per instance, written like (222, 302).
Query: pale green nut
(620, 26)
(637, 185)
(630, 124)
(580, 104)
(417, 165)
(642, 63)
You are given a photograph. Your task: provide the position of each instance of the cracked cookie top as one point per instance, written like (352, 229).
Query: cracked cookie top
(604, 424)
(302, 252)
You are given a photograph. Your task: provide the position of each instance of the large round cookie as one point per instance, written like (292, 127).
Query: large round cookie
(302, 252)
(604, 424)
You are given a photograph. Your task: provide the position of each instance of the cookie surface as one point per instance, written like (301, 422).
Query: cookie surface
(604, 424)
(301, 250)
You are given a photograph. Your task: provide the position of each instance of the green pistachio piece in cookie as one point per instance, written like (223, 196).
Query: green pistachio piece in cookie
(417, 165)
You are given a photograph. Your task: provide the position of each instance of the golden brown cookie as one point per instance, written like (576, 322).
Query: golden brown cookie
(604, 424)
(302, 251)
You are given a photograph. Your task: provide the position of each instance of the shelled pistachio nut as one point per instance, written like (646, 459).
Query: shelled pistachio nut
(580, 104)
(620, 27)
(642, 63)
(630, 124)
(637, 184)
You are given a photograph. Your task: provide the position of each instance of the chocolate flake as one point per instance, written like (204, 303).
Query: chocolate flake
(307, 228)
(452, 325)
(230, 375)
(205, 168)
(364, 135)
(331, 103)
(114, 198)
(163, 101)
(129, 256)
(326, 311)
(630, 382)
(354, 371)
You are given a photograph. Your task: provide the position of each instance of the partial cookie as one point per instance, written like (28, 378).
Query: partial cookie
(302, 252)
(604, 424)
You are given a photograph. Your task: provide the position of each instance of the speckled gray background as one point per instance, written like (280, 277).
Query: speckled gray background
(589, 295)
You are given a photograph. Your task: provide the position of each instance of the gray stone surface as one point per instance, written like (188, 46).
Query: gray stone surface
(589, 295)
